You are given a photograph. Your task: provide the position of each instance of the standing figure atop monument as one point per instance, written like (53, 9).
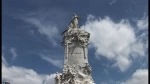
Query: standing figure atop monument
(74, 21)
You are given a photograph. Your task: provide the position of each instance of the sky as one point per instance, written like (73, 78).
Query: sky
(31, 39)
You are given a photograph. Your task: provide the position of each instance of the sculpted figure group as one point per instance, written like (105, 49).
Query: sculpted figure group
(69, 76)
(87, 69)
(73, 24)
(75, 37)
(65, 78)
(74, 21)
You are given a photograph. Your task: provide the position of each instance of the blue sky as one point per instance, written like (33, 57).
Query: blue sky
(31, 36)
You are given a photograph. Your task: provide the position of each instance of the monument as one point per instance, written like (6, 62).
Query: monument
(76, 69)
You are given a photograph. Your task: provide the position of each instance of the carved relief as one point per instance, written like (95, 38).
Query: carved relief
(76, 37)
(57, 79)
(87, 69)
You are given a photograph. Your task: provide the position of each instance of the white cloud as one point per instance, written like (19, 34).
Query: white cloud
(44, 28)
(122, 62)
(106, 71)
(45, 21)
(13, 51)
(138, 77)
(112, 2)
(55, 62)
(20, 75)
(115, 41)
(143, 23)
(4, 61)
(109, 81)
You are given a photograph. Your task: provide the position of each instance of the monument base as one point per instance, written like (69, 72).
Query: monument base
(73, 76)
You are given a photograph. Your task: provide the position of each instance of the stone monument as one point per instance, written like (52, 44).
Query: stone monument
(76, 69)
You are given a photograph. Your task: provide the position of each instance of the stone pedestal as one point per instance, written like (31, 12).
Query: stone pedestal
(76, 69)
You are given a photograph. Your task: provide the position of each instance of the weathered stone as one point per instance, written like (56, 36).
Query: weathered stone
(76, 69)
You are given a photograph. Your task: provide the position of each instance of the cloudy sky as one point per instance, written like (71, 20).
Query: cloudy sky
(31, 36)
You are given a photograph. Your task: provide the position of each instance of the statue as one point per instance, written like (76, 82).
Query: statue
(57, 79)
(87, 69)
(76, 69)
(69, 29)
(74, 21)
(73, 24)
